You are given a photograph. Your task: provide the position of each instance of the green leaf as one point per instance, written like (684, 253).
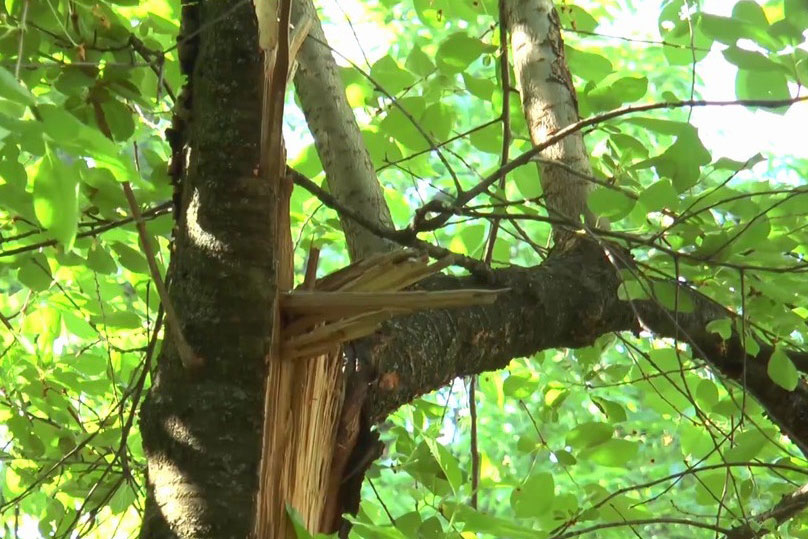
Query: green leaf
(132, 260)
(447, 463)
(74, 80)
(472, 237)
(665, 359)
(750, 235)
(397, 125)
(658, 196)
(796, 13)
(706, 394)
(119, 119)
(623, 90)
(632, 289)
(419, 63)
(527, 443)
(748, 444)
(589, 434)
(35, 273)
(458, 51)
(297, 523)
(15, 197)
(565, 457)
(390, 76)
(762, 85)
(123, 498)
(663, 127)
(629, 147)
(710, 487)
(752, 346)
(382, 149)
(751, 12)
(488, 139)
(681, 162)
(99, 260)
(722, 327)
(71, 134)
(527, 180)
(610, 203)
(782, 370)
(693, 44)
(409, 523)
(10, 88)
(120, 320)
(437, 121)
(399, 208)
(163, 26)
(724, 29)
(56, 202)
(750, 60)
(436, 13)
(672, 297)
(482, 88)
(485, 523)
(431, 528)
(90, 365)
(574, 16)
(587, 65)
(615, 453)
(78, 326)
(535, 497)
(613, 411)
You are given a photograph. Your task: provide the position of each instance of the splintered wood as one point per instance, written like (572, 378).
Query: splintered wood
(352, 302)
(305, 407)
(302, 453)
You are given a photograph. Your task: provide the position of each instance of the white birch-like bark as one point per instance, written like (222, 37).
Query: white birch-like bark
(339, 143)
(549, 104)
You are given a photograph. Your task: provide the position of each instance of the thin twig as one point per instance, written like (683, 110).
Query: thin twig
(151, 213)
(22, 39)
(561, 134)
(187, 356)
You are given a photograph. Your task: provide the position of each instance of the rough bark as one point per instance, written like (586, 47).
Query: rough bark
(547, 306)
(566, 302)
(202, 429)
(339, 143)
(549, 104)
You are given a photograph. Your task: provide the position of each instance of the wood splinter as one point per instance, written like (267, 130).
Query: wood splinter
(351, 303)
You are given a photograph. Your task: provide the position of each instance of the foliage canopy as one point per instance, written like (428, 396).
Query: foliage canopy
(632, 429)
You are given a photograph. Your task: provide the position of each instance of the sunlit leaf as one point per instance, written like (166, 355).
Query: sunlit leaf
(56, 191)
(10, 88)
(534, 497)
(458, 51)
(782, 370)
(615, 453)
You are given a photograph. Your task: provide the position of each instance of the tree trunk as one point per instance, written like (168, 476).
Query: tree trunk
(202, 429)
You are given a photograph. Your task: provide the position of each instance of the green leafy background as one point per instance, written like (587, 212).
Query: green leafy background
(631, 428)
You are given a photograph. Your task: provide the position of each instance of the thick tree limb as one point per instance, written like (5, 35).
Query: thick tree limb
(788, 409)
(791, 505)
(567, 302)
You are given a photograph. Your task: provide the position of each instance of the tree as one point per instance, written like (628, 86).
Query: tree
(640, 370)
